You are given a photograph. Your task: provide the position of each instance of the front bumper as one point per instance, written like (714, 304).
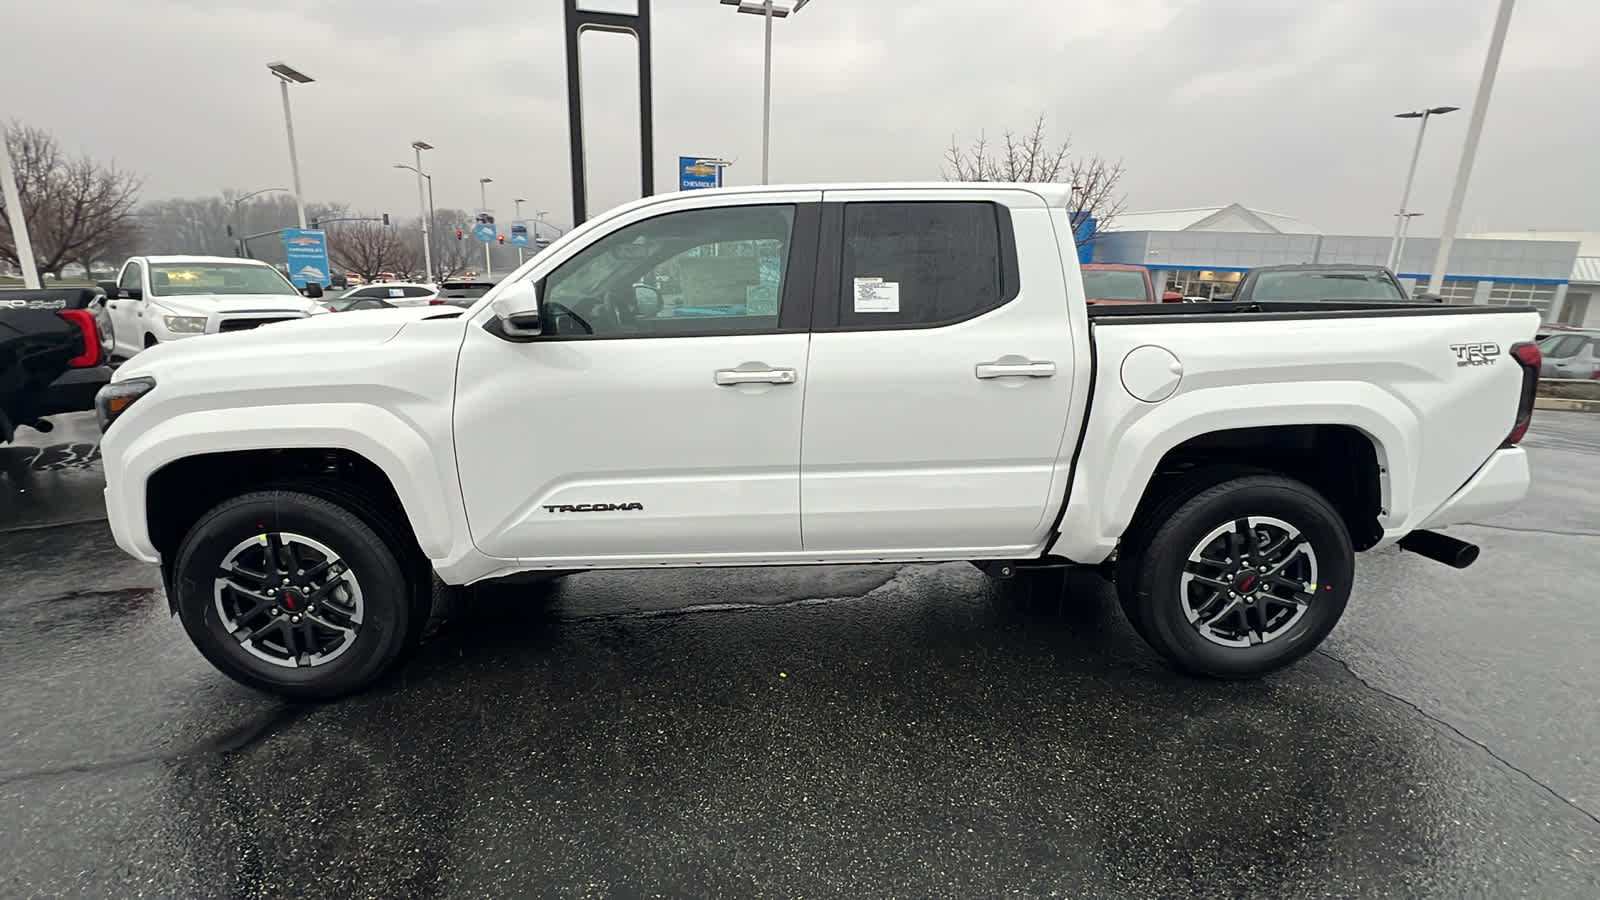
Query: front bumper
(1498, 485)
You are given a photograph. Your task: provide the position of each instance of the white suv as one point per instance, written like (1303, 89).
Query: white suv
(157, 299)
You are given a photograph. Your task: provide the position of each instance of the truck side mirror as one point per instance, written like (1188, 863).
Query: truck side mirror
(517, 309)
(110, 287)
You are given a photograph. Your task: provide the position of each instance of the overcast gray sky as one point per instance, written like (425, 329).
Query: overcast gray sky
(1283, 105)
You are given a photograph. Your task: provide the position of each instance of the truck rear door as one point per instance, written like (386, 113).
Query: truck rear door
(941, 373)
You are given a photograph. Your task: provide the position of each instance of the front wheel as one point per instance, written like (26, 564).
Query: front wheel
(1243, 578)
(292, 594)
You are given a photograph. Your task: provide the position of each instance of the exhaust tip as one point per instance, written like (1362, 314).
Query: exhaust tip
(1441, 548)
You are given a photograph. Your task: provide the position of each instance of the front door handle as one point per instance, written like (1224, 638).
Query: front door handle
(755, 376)
(1008, 366)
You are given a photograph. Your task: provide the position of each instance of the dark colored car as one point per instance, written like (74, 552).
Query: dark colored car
(1120, 283)
(465, 292)
(52, 354)
(1319, 283)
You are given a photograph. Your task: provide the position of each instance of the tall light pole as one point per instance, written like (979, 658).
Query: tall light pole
(18, 220)
(1480, 106)
(427, 225)
(770, 11)
(285, 74)
(427, 236)
(1411, 173)
(483, 206)
(243, 248)
(519, 201)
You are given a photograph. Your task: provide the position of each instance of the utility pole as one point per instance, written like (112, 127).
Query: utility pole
(483, 206)
(518, 220)
(285, 74)
(1411, 174)
(422, 211)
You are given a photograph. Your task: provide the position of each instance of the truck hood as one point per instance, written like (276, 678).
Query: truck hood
(297, 344)
(206, 304)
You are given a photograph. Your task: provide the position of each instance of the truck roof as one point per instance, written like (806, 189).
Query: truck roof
(1051, 193)
(181, 260)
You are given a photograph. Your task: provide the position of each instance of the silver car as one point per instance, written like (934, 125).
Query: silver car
(1572, 354)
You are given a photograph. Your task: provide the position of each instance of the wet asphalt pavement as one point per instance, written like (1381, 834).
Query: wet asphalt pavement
(871, 731)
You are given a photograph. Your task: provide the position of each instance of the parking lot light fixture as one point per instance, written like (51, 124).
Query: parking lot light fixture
(423, 209)
(1411, 173)
(285, 75)
(769, 11)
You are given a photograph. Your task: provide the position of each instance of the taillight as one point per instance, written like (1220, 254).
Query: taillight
(91, 338)
(436, 302)
(1527, 355)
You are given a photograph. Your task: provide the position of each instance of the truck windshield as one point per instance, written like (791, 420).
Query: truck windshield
(1324, 285)
(1114, 284)
(178, 279)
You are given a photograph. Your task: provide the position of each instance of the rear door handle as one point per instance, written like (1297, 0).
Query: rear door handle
(1008, 366)
(755, 376)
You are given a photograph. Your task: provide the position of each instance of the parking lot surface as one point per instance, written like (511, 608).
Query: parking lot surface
(869, 731)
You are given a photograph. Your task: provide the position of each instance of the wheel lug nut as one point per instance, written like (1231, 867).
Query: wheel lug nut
(285, 579)
(276, 611)
(294, 618)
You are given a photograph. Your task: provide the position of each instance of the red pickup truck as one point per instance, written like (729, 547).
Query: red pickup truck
(1118, 283)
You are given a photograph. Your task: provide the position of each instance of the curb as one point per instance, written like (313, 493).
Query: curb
(1566, 403)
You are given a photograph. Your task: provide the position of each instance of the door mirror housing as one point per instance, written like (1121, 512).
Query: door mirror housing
(110, 287)
(517, 309)
(1171, 297)
(313, 290)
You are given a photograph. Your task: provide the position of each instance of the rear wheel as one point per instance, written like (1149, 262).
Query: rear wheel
(292, 594)
(1240, 578)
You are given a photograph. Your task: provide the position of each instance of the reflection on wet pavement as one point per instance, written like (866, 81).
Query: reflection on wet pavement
(870, 731)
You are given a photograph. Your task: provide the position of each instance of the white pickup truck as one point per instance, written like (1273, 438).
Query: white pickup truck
(158, 299)
(809, 375)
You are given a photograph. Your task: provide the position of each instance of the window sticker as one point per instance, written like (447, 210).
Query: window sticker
(874, 295)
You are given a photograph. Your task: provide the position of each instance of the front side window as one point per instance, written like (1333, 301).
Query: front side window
(130, 278)
(1560, 346)
(684, 272)
(919, 263)
(179, 279)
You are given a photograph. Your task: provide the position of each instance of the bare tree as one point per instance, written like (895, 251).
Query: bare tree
(371, 248)
(71, 204)
(1032, 158)
(452, 256)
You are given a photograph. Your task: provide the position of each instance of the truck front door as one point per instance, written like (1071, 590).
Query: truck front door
(127, 331)
(939, 415)
(657, 416)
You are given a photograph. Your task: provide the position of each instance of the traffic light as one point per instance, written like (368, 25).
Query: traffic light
(502, 239)
(458, 234)
(312, 224)
(385, 218)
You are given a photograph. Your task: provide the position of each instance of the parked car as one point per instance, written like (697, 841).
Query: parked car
(348, 303)
(464, 292)
(397, 293)
(923, 383)
(1571, 354)
(1118, 283)
(1320, 283)
(52, 355)
(157, 299)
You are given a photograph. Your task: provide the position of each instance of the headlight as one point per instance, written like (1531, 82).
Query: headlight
(114, 399)
(185, 324)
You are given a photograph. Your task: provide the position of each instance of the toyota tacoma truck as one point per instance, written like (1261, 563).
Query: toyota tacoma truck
(52, 355)
(820, 375)
(158, 299)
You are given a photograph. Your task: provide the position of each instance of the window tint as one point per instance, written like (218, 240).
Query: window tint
(685, 272)
(1313, 286)
(417, 292)
(922, 263)
(130, 277)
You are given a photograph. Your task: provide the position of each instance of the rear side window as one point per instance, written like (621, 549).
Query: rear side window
(1115, 284)
(923, 264)
(416, 292)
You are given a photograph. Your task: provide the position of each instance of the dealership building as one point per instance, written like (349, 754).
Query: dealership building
(1203, 251)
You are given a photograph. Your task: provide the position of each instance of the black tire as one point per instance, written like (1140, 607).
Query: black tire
(388, 595)
(1152, 565)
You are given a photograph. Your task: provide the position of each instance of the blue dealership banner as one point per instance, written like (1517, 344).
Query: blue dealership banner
(306, 252)
(695, 172)
(484, 229)
(519, 235)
